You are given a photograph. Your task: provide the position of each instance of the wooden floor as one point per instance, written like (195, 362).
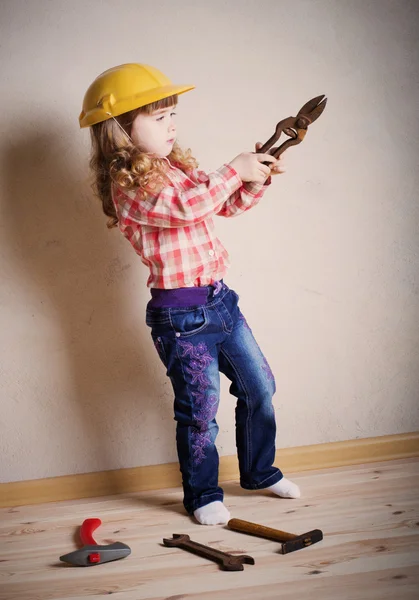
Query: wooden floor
(369, 515)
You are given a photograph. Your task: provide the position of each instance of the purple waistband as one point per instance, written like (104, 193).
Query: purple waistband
(188, 296)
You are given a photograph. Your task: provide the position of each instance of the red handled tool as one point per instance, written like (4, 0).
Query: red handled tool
(91, 553)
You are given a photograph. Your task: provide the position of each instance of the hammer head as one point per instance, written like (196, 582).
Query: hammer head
(302, 541)
(102, 554)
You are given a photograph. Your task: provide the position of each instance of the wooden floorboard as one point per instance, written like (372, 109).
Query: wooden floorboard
(369, 515)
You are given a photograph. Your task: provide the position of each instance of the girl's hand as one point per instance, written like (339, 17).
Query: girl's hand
(277, 168)
(250, 167)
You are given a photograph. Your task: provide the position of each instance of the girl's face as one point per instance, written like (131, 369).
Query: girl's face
(155, 133)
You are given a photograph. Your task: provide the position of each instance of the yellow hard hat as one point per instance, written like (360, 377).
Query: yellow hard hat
(124, 88)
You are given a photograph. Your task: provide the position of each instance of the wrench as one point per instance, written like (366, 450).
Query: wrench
(229, 562)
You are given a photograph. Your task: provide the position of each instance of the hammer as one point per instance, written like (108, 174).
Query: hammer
(290, 542)
(91, 553)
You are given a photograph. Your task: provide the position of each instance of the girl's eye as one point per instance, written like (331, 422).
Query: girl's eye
(162, 117)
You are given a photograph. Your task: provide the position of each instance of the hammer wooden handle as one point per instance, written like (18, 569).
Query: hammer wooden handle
(260, 530)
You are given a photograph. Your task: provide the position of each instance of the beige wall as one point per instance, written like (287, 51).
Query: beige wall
(326, 265)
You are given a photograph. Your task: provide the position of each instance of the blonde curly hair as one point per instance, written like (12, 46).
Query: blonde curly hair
(116, 159)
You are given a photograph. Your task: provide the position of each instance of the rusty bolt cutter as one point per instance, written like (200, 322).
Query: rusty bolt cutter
(91, 553)
(294, 127)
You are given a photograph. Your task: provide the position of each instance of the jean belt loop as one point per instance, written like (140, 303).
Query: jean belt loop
(217, 287)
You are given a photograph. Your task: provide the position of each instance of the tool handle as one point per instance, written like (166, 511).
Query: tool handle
(260, 530)
(86, 531)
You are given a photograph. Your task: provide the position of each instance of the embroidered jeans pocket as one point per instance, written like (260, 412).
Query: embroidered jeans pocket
(186, 322)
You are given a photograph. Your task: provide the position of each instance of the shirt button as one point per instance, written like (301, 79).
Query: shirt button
(177, 334)
(211, 252)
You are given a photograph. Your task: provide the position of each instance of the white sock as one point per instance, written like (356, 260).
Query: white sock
(214, 513)
(285, 488)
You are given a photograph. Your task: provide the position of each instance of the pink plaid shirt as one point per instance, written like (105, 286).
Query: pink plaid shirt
(173, 232)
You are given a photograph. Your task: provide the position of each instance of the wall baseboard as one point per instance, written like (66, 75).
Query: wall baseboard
(139, 479)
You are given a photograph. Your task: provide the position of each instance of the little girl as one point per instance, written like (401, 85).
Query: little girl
(151, 189)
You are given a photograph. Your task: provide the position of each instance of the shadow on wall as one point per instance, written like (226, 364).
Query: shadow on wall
(66, 258)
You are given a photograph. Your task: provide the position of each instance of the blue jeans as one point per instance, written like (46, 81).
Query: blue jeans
(195, 344)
